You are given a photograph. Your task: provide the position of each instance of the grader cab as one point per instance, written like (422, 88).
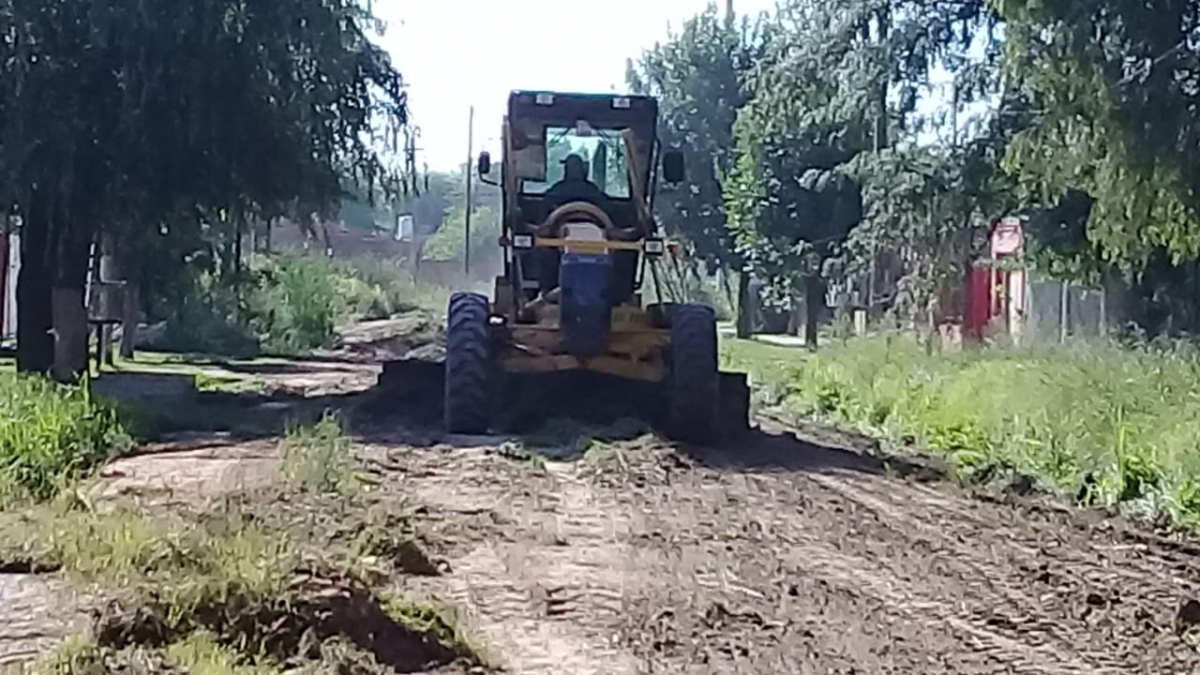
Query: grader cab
(578, 172)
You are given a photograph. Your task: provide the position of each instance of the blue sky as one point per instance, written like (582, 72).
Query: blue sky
(453, 54)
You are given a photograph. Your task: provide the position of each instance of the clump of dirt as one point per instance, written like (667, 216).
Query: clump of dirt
(391, 537)
(414, 334)
(22, 564)
(289, 628)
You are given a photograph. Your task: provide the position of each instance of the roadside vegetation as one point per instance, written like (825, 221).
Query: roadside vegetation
(1107, 424)
(307, 573)
(51, 436)
(288, 304)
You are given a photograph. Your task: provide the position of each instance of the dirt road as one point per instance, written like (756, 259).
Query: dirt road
(809, 560)
(771, 556)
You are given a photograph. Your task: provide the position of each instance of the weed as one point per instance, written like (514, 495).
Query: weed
(289, 304)
(51, 435)
(255, 586)
(518, 453)
(1118, 425)
(318, 458)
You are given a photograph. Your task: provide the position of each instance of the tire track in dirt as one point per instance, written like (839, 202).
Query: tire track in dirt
(860, 572)
(1038, 579)
(27, 603)
(548, 596)
(844, 611)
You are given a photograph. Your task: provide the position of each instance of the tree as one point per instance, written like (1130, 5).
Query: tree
(834, 99)
(828, 104)
(1110, 123)
(193, 118)
(699, 77)
(1115, 86)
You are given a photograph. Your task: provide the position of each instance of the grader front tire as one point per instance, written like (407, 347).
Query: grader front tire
(468, 365)
(694, 401)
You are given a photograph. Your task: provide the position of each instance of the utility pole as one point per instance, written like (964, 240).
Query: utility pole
(470, 167)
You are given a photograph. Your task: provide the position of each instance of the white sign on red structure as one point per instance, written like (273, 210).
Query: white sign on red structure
(1008, 237)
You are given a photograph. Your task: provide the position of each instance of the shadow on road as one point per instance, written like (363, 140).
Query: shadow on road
(412, 417)
(237, 415)
(295, 367)
(774, 447)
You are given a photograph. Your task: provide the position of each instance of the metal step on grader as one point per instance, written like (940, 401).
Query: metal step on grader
(578, 173)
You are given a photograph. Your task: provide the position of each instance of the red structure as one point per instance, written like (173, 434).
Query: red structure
(994, 291)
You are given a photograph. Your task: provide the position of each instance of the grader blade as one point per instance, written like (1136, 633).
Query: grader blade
(412, 389)
(735, 404)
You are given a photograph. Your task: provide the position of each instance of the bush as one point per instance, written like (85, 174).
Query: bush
(295, 304)
(51, 435)
(1112, 425)
(289, 304)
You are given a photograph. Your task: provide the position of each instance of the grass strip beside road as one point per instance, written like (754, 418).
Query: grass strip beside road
(1106, 424)
(307, 574)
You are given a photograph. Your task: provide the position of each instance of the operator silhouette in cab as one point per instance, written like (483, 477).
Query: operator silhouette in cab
(574, 185)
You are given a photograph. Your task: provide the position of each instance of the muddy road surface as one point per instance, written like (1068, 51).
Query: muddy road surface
(777, 554)
(785, 557)
(799, 553)
(788, 553)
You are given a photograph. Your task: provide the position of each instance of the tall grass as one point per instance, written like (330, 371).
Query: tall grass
(51, 435)
(688, 280)
(1109, 424)
(291, 303)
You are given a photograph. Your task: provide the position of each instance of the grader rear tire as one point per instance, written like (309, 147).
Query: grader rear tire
(694, 401)
(468, 365)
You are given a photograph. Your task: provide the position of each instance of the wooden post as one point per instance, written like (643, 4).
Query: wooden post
(108, 272)
(1064, 296)
(129, 320)
(1104, 310)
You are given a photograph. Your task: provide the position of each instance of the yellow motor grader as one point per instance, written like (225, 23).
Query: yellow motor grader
(578, 173)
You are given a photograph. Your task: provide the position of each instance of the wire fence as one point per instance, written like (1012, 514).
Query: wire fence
(1056, 311)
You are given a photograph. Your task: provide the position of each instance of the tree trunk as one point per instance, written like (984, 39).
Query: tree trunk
(795, 314)
(131, 272)
(745, 307)
(35, 279)
(69, 311)
(71, 332)
(130, 319)
(814, 302)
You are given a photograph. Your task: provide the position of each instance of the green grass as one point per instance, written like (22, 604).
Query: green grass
(1107, 424)
(51, 435)
(307, 574)
(317, 458)
(291, 303)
